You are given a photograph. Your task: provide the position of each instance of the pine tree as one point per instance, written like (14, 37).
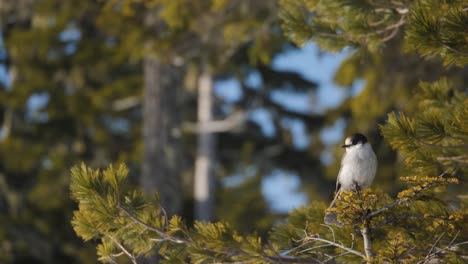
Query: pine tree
(85, 66)
(418, 225)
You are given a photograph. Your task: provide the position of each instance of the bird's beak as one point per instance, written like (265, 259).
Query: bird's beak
(345, 146)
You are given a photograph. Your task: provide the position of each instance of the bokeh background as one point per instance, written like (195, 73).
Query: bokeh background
(189, 94)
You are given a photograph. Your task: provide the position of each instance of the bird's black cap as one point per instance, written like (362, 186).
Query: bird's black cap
(355, 139)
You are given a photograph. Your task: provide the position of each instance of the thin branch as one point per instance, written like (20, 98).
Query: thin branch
(283, 259)
(350, 250)
(334, 257)
(400, 23)
(312, 248)
(400, 201)
(377, 23)
(455, 50)
(124, 250)
(391, 35)
(442, 147)
(460, 159)
(118, 254)
(331, 229)
(386, 207)
(447, 248)
(457, 138)
(433, 245)
(408, 216)
(159, 232)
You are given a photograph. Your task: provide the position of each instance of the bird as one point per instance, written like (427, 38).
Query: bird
(358, 169)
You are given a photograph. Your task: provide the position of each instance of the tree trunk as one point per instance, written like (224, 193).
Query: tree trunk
(160, 121)
(203, 186)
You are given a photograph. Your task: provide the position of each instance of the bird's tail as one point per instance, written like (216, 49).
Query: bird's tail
(334, 199)
(331, 218)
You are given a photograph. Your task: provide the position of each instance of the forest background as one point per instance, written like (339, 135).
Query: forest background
(230, 110)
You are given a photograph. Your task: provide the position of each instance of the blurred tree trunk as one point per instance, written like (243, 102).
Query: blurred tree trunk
(160, 121)
(204, 162)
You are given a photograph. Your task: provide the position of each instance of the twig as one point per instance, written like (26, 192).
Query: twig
(400, 23)
(391, 35)
(331, 229)
(431, 256)
(124, 250)
(442, 147)
(336, 256)
(350, 250)
(312, 248)
(455, 50)
(461, 159)
(408, 216)
(400, 201)
(386, 207)
(433, 245)
(159, 232)
(281, 259)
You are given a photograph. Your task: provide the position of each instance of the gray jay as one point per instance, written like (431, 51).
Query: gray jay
(358, 167)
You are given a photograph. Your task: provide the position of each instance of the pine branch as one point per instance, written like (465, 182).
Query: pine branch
(282, 259)
(435, 243)
(159, 232)
(124, 250)
(365, 232)
(431, 256)
(442, 147)
(350, 250)
(401, 200)
(455, 50)
(461, 159)
(407, 216)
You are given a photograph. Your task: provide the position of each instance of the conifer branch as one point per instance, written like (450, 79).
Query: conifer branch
(365, 232)
(284, 259)
(350, 250)
(156, 230)
(460, 159)
(430, 255)
(442, 147)
(435, 243)
(395, 28)
(124, 250)
(401, 200)
(386, 207)
(400, 23)
(407, 216)
(455, 50)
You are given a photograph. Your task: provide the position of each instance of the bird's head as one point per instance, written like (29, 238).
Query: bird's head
(354, 141)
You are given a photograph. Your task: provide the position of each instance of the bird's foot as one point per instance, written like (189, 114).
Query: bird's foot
(357, 189)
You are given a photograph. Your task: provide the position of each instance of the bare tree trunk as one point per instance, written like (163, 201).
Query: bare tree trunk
(203, 186)
(160, 120)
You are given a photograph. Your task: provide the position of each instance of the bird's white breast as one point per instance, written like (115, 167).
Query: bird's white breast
(358, 166)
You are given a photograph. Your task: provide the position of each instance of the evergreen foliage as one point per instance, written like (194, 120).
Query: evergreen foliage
(432, 28)
(86, 78)
(83, 61)
(421, 224)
